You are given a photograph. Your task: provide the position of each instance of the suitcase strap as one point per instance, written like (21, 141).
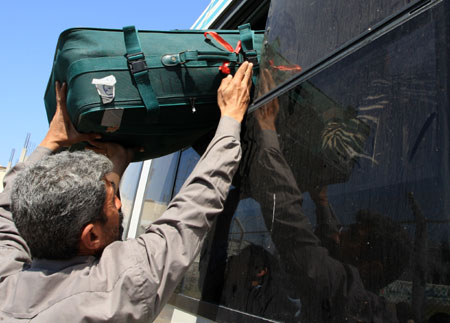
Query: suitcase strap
(139, 71)
(250, 53)
(247, 34)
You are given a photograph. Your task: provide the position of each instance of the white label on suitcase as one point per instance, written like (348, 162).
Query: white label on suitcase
(106, 88)
(112, 119)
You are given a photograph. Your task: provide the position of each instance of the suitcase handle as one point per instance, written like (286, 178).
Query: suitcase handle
(195, 55)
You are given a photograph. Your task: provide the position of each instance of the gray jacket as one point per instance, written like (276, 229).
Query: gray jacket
(329, 290)
(133, 279)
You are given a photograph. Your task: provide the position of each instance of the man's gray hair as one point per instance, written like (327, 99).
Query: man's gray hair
(53, 200)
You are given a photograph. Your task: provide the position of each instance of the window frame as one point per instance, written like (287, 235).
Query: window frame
(378, 30)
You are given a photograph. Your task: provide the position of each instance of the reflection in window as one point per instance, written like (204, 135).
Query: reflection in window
(300, 33)
(248, 228)
(128, 187)
(340, 210)
(158, 192)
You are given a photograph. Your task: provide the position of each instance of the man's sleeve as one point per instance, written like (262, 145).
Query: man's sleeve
(274, 186)
(325, 285)
(171, 243)
(327, 221)
(14, 253)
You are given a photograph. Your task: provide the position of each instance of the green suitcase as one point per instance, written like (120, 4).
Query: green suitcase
(165, 92)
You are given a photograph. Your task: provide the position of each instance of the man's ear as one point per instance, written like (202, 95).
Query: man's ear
(91, 239)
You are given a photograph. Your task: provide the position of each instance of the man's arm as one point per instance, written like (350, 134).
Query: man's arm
(172, 242)
(273, 184)
(14, 252)
(328, 225)
(326, 287)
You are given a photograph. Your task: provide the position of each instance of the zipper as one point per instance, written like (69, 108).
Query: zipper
(191, 102)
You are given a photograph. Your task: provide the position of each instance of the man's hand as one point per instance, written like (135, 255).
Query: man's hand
(119, 156)
(233, 95)
(61, 132)
(267, 114)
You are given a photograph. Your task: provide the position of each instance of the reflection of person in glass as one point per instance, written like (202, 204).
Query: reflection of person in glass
(329, 289)
(374, 244)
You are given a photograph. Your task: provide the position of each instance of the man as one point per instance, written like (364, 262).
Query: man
(375, 245)
(67, 212)
(325, 289)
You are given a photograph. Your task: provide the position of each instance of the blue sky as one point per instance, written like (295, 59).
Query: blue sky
(29, 32)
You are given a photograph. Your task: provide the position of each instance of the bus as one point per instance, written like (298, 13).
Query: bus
(340, 209)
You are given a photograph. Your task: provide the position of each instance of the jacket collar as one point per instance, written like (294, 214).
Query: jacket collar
(58, 265)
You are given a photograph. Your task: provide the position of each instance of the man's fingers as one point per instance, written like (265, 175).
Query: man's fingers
(226, 81)
(269, 78)
(61, 93)
(243, 74)
(267, 82)
(58, 94)
(240, 72)
(267, 74)
(248, 75)
(266, 86)
(57, 89)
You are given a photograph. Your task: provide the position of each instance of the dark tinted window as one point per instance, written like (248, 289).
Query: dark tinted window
(300, 33)
(340, 209)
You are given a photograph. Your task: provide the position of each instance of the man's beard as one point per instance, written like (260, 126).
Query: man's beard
(121, 228)
(114, 234)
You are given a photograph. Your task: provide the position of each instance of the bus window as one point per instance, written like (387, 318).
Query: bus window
(189, 158)
(158, 191)
(340, 209)
(301, 33)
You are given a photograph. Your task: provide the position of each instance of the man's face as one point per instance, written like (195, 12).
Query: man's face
(113, 227)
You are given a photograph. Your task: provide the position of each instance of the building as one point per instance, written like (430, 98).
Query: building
(22, 158)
